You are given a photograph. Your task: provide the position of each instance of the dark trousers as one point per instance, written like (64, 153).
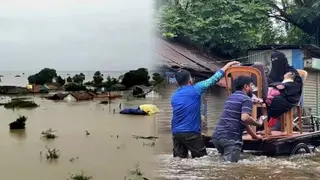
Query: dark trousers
(228, 148)
(184, 142)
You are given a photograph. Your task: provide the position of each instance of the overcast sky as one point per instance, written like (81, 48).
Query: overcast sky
(75, 34)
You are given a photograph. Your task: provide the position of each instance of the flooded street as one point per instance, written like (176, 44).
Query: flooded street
(109, 152)
(250, 167)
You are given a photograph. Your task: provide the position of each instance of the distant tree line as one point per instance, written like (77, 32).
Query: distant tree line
(77, 82)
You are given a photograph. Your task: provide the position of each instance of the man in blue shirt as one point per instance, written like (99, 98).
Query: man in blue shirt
(235, 118)
(186, 119)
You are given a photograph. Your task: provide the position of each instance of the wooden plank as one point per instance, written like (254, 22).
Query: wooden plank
(265, 123)
(288, 117)
(275, 135)
(254, 115)
(282, 121)
(300, 119)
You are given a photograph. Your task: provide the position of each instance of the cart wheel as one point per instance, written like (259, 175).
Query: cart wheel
(300, 148)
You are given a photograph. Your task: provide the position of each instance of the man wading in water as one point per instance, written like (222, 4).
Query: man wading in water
(186, 119)
(235, 118)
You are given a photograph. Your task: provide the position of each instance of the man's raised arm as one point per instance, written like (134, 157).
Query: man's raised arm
(202, 86)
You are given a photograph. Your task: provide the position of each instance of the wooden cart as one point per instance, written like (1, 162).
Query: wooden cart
(281, 142)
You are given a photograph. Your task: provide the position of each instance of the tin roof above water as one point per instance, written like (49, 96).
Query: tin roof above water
(176, 55)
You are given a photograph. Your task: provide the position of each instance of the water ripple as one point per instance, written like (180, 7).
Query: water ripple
(249, 167)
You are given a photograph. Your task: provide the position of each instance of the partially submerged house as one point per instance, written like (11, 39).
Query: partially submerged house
(78, 96)
(93, 94)
(305, 57)
(57, 96)
(172, 56)
(37, 88)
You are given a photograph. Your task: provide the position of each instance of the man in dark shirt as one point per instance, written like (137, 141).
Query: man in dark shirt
(235, 118)
(186, 118)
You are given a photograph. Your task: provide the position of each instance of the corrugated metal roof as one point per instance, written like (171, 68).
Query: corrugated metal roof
(310, 48)
(176, 55)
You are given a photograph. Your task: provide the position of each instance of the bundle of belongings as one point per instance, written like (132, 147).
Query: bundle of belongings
(144, 109)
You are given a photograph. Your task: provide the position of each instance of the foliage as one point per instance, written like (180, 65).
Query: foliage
(226, 25)
(49, 134)
(136, 77)
(75, 87)
(157, 78)
(304, 15)
(230, 26)
(69, 79)
(83, 76)
(135, 174)
(109, 83)
(80, 176)
(297, 36)
(19, 123)
(78, 78)
(60, 80)
(120, 78)
(46, 75)
(97, 78)
(88, 83)
(52, 154)
(16, 104)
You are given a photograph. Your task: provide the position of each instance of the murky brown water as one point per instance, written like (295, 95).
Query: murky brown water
(101, 154)
(104, 156)
(250, 167)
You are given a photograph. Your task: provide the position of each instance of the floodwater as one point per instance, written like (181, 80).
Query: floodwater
(250, 167)
(212, 167)
(109, 152)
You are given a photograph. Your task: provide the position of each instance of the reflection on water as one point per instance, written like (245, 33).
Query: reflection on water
(18, 134)
(109, 152)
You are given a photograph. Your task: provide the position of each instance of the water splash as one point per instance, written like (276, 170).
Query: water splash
(249, 167)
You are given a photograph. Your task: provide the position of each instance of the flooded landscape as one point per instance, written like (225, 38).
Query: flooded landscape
(80, 52)
(109, 152)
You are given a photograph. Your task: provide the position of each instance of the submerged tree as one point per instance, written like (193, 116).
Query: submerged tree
(60, 80)
(78, 78)
(109, 83)
(157, 78)
(69, 79)
(97, 78)
(80, 176)
(75, 87)
(46, 75)
(20, 104)
(82, 76)
(136, 77)
(19, 123)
